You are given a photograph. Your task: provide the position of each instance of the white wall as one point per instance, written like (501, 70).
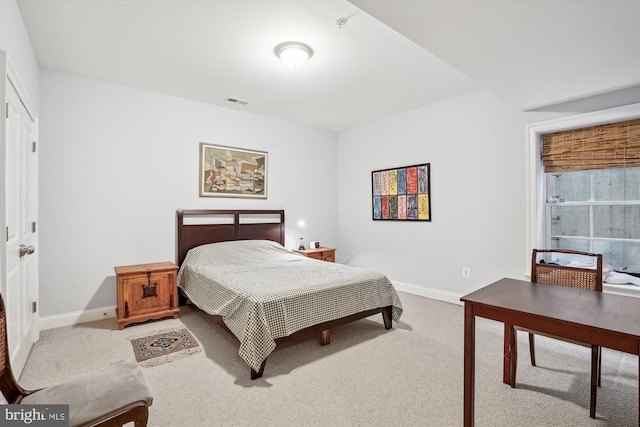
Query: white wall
(15, 41)
(476, 146)
(116, 163)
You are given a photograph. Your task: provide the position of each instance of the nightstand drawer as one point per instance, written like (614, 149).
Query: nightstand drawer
(148, 292)
(323, 254)
(328, 255)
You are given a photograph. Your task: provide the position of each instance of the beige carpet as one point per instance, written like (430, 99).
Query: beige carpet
(409, 376)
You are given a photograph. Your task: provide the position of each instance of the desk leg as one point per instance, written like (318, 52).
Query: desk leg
(595, 350)
(469, 363)
(506, 362)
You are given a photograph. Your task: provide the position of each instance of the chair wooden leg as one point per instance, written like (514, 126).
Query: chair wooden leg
(532, 349)
(136, 412)
(599, 366)
(595, 352)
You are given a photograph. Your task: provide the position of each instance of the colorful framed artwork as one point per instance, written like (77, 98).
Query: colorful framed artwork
(232, 172)
(402, 194)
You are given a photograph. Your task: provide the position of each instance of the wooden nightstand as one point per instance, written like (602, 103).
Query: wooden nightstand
(323, 254)
(146, 291)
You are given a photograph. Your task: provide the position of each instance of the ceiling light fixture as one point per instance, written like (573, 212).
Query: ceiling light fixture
(293, 54)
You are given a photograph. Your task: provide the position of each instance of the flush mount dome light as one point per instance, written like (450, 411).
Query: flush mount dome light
(293, 54)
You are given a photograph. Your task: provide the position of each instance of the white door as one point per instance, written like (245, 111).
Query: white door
(20, 279)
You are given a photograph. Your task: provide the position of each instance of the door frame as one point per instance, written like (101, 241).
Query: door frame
(9, 75)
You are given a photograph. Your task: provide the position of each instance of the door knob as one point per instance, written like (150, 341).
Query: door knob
(26, 250)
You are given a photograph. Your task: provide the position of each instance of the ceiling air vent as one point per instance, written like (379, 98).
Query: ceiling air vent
(237, 101)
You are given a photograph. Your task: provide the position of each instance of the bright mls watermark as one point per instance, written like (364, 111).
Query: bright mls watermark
(34, 415)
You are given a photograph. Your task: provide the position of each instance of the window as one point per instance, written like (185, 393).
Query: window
(586, 200)
(596, 211)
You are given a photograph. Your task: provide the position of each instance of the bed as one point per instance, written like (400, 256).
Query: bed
(234, 266)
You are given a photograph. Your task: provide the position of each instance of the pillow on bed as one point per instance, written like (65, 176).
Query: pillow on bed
(239, 252)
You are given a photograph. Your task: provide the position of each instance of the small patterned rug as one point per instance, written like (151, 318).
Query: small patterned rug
(164, 347)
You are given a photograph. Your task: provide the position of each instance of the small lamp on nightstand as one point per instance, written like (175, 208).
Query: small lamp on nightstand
(301, 227)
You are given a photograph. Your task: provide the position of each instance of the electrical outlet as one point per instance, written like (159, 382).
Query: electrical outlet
(466, 272)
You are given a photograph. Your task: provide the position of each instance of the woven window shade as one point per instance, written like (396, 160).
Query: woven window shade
(614, 145)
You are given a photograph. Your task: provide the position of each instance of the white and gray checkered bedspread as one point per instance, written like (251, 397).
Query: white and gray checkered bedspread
(264, 292)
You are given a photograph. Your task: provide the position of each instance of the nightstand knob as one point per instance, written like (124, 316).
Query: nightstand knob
(149, 290)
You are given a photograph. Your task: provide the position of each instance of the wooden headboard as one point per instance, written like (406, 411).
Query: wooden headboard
(199, 227)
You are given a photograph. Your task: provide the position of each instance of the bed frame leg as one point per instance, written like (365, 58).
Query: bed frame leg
(325, 337)
(387, 317)
(256, 375)
(182, 300)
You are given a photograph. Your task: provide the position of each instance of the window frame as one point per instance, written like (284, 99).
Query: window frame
(536, 180)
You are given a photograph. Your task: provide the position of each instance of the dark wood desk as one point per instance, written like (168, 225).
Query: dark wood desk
(607, 320)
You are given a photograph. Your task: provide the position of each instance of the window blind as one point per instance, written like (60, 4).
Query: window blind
(613, 145)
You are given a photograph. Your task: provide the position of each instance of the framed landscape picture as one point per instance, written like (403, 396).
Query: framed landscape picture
(232, 172)
(402, 194)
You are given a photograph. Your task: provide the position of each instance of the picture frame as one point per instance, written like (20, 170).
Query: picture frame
(402, 194)
(232, 172)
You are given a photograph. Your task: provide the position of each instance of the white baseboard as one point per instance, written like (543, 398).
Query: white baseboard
(625, 290)
(69, 319)
(429, 293)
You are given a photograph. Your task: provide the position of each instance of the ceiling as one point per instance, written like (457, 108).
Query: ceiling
(390, 56)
